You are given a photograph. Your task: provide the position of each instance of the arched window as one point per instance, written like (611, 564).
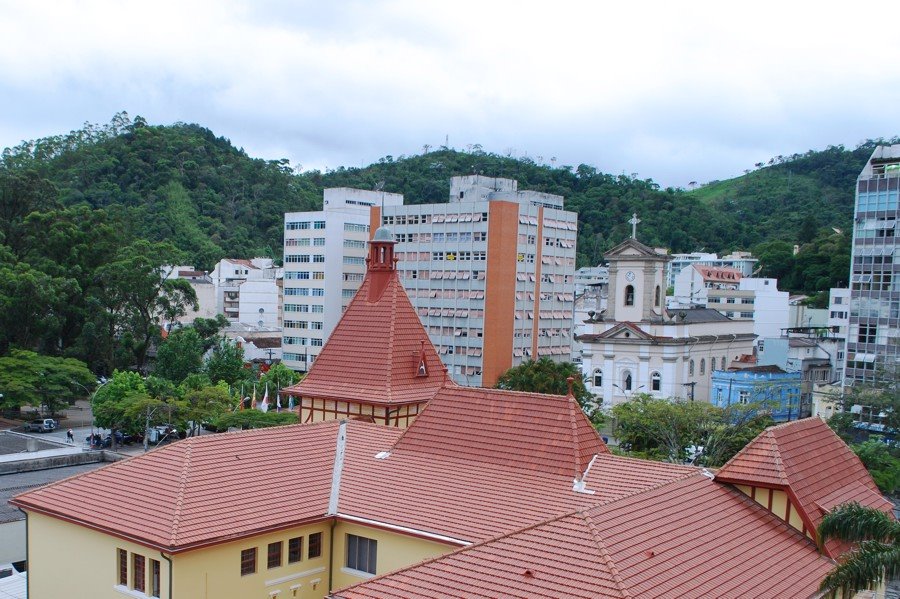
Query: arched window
(712, 364)
(626, 380)
(691, 368)
(724, 363)
(656, 297)
(702, 366)
(598, 378)
(629, 295)
(655, 381)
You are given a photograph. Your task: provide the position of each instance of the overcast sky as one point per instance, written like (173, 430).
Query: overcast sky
(673, 91)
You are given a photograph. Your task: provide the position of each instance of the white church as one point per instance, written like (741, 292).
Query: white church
(637, 346)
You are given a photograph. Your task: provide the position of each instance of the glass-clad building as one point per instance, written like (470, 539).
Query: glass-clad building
(873, 339)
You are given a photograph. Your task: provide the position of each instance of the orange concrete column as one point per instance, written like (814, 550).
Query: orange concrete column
(500, 291)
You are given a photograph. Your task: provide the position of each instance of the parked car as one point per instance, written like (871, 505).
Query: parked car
(42, 425)
(121, 439)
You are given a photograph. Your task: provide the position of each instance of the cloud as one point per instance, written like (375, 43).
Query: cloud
(677, 92)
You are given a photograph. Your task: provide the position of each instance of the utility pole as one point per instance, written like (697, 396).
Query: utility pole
(692, 384)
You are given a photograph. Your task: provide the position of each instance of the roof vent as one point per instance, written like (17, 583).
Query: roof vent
(381, 455)
(707, 473)
(528, 574)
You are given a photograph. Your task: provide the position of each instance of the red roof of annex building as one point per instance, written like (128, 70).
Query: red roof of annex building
(375, 352)
(812, 464)
(690, 537)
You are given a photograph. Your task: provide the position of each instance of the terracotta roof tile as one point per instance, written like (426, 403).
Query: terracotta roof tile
(687, 538)
(549, 433)
(810, 461)
(208, 488)
(374, 353)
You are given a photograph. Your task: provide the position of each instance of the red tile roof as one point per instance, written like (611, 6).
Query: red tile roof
(468, 500)
(208, 489)
(809, 461)
(686, 538)
(548, 433)
(374, 352)
(719, 273)
(195, 492)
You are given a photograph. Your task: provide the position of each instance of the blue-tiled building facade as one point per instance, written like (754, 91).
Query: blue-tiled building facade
(777, 391)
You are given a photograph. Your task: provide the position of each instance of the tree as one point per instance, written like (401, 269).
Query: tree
(884, 467)
(278, 377)
(226, 363)
(677, 431)
(140, 298)
(208, 329)
(207, 404)
(180, 355)
(115, 403)
(547, 376)
(28, 378)
(877, 557)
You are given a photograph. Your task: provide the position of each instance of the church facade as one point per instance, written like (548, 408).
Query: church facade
(636, 346)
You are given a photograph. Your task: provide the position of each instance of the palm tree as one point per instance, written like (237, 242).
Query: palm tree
(877, 555)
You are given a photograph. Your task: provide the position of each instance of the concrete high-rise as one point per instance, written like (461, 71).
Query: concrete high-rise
(491, 274)
(324, 265)
(873, 351)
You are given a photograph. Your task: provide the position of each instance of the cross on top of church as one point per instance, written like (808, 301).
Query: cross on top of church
(634, 223)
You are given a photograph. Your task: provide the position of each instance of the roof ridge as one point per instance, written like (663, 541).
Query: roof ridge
(642, 490)
(576, 444)
(179, 500)
(604, 553)
(779, 464)
(392, 285)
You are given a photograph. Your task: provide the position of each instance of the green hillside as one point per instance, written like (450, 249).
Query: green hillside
(80, 212)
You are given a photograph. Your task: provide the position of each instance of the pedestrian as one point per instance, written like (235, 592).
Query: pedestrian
(70, 437)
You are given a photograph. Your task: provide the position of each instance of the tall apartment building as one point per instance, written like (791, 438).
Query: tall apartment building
(491, 274)
(324, 265)
(873, 350)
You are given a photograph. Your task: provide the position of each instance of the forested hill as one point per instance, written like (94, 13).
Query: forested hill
(183, 184)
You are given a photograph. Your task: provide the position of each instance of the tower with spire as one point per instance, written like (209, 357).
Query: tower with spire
(378, 364)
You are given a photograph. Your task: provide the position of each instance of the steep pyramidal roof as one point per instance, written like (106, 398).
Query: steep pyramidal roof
(809, 461)
(379, 352)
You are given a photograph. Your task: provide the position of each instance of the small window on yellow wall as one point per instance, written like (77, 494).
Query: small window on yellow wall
(315, 545)
(154, 578)
(362, 553)
(274, 555)
(295, 550)
(123, 567)
(248, 561)
(138, 572)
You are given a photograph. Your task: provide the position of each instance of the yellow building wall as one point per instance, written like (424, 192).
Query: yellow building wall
(395, 551)
(779, 501)
(215, 572)
(67, 560)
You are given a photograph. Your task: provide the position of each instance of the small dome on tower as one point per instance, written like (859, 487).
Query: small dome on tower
(383, 234)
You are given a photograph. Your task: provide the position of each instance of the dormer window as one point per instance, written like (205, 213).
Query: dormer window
(422, 370)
